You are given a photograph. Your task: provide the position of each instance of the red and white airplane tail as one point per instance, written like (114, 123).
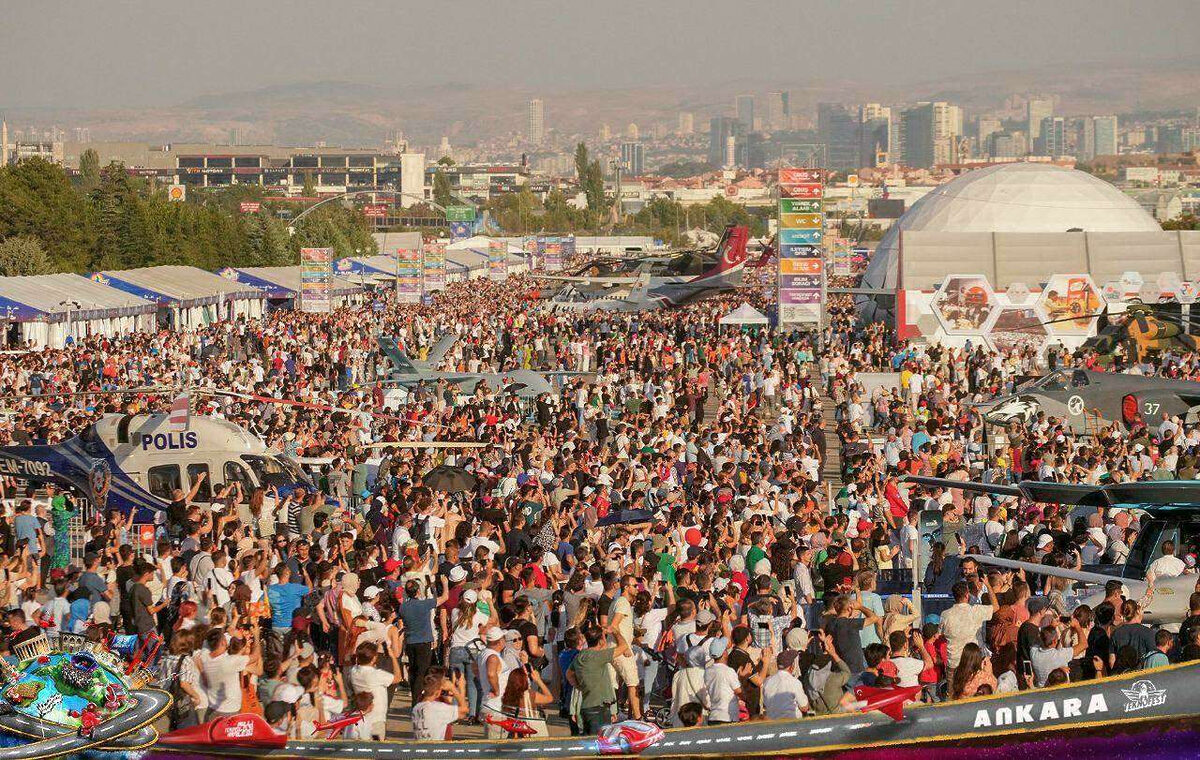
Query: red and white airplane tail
(731, 252)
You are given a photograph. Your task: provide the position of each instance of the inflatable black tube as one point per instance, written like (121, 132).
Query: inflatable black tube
(1128, 703)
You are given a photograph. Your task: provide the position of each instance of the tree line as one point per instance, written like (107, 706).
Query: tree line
(106, 219)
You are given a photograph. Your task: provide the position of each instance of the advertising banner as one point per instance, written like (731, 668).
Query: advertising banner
(552, 256)
(316, 280)
(250, 207)
(435, 266)
(568, 247)
(497, 260)
(801, 239)
(409, 271)
(375, 210)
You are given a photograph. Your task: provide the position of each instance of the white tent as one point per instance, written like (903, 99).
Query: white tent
(744, 315)
(49, 307)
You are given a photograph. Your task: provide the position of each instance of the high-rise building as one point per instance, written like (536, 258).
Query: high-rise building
(1004, 145)
(633, 158)
(729, 160)
(752, 151)
(1036, 110)
(744, 108)
(605, 133)
(778, 115)
(1105, 128)
(875, 133)
(537, 124)
(632, 131)
(930, 134)
(3, 143)
(720, 129)
(987, 126)
(1170, 139)
(687, 123)
(1054, 136)
(839, 128)
(1191, 139)
(1085, 139)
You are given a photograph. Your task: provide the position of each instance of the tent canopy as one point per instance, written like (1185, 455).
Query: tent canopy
(177, 285)
(53, 296)
(283, 282)
(744, 315)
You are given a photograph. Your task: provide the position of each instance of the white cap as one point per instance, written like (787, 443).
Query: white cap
(494, 634)
(1045, 540)
(371, 591)
(470, 596)
(458, 574)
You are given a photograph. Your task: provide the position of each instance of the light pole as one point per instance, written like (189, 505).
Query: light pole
(71, 307)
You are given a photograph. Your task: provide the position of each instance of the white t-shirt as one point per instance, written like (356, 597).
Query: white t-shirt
(218, 584)
(721, 682)
(1167, 566)
(783, 696)
(221, 678)
(375, 681)
(908, 670)
(432, 719)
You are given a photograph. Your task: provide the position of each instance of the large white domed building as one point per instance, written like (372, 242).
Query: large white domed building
(1016, 197)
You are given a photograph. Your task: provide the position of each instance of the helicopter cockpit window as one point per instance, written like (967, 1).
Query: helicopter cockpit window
(1079, 379)
(162, 480)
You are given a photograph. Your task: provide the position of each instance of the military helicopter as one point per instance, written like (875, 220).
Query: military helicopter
(1143, 329)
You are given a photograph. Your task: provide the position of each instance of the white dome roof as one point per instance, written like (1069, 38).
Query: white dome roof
(1016, 197)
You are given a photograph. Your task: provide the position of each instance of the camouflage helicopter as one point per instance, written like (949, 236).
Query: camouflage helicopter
(1141, 331)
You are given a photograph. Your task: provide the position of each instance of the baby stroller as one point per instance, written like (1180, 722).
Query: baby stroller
(656, 706)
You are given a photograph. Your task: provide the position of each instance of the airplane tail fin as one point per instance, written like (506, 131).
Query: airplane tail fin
(767, 252)
(440, 349)
(641, 288)
(400, 361)
(731, 255)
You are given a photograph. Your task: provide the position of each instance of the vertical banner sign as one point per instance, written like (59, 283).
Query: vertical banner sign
(316, 280)
(568, 247)
(801, 236)
(529, 245)
(497, 259)
(552, 254)
(435, 266)
(408, 275)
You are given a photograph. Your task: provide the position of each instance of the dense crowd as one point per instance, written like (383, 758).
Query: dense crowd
(657, 538)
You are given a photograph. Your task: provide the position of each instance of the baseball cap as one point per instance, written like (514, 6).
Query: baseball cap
(392, 565)
(493, 635)
(1045, 540)
(705, 617)
(470, 596)
(797, 639)
(371, 591)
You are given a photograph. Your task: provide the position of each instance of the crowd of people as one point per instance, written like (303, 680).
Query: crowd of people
(664, 536)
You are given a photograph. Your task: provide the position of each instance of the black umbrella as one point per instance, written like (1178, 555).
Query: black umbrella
(450, 479)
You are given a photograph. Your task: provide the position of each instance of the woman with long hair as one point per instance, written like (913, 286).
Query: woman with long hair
(466, 625)
(524, 697)
(974, 670)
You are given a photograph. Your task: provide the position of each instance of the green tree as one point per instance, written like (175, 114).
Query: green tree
(443, 195)
(89, 170)
(310, 188)
(335, 226)
(445, 161)
(23, 255)
(38, 200)
(593, 186)
(581, 162)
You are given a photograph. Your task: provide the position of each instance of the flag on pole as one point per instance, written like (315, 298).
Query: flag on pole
(178, 419)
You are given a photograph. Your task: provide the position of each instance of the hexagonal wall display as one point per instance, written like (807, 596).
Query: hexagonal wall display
(964, 304)
(1018, 293)
(1069, 304)
(1017, 328)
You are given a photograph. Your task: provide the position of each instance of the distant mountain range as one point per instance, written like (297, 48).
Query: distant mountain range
(346, 113)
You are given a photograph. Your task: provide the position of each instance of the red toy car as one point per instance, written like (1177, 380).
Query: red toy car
(628, 737)
(89, 719)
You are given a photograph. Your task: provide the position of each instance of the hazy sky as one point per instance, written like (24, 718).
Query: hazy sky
(161, 52)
